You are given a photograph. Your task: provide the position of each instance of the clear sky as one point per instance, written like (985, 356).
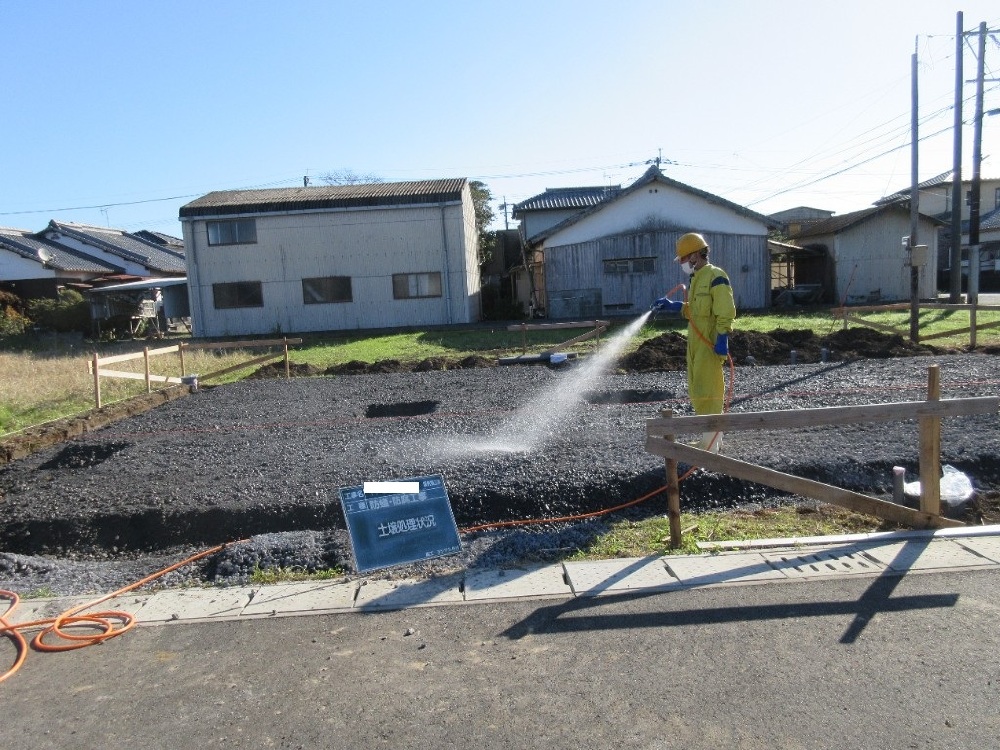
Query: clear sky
(116, 113)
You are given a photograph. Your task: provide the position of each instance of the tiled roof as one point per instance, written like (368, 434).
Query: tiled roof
(563, 198)
(160, 238)
(987, 221)
(52, 254)
(653, 174)
(155, 257)
(227, 202)
(904, 194)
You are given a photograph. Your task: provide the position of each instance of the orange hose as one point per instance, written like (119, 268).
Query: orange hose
(529, 521)
(109, 623)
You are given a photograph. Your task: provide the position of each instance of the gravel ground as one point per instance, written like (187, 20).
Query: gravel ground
(264, 459)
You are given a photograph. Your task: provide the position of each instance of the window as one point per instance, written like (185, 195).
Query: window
(996, 198)
(326, 289)
(234, 232)
(237, 294)
(622, 266)
(415, 285)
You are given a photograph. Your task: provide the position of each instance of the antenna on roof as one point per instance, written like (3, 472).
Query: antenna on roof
(43, 255)
(658, 159)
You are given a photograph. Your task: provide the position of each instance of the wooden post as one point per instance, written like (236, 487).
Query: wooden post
(524, 338)
(288, 372)
(180, 352)
(145, 357)
(97, 380)
(930, 449)
(673, 493)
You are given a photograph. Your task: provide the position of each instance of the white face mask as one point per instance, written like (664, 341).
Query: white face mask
(687, 267)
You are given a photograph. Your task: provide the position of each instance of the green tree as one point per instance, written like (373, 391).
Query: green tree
(71, 312)
(481, 198)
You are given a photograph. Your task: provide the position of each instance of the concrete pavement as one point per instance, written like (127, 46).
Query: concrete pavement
(800, 560)
(902, 655)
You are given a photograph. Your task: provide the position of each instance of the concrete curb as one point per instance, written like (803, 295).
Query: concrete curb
(768, 561)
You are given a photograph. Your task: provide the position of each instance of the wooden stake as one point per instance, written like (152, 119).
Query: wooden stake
(95, 365)
(673, 492)
(930, 449)
(288, 372)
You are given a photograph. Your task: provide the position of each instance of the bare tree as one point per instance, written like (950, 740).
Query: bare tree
(346, 176)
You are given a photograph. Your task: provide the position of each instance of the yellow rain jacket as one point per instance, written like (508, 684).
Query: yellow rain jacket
(710, 310)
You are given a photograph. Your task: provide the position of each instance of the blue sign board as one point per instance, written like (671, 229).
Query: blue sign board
(392, 528)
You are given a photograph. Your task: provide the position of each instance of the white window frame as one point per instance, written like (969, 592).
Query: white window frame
(231, 232)
(416, 285)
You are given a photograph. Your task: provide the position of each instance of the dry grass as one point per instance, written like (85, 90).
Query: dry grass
(39, 387)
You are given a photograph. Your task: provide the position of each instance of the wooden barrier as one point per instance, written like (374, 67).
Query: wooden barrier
(599, 327)
(97, 364)
(661, 440)
(850, 315)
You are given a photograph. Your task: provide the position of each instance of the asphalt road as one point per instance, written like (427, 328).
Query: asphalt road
(856, 662)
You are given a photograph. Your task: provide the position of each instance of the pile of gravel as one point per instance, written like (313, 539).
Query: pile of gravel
(263, 461)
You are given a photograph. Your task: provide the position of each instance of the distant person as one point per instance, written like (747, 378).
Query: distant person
(710, 311)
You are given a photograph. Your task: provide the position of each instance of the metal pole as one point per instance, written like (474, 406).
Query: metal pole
(955, 285)
(977, 157)
(914, 204)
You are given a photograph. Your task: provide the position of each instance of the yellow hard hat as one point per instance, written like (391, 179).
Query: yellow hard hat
(689, 243)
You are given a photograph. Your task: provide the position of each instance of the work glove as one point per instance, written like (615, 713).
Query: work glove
(722, 344)
(665, 304)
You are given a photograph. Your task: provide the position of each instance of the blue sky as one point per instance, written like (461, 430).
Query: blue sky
(118, 113)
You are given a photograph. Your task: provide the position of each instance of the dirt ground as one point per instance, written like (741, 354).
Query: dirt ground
(663, 353)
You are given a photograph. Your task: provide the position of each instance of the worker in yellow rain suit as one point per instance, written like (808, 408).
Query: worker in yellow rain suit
(710, 311)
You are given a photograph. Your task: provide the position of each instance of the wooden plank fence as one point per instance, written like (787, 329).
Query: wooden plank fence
(598, 326)
(661, 440)
(852, 315)
(97, 365)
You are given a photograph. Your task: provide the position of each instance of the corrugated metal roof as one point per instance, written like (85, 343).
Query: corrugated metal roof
(29, 246)
(563, 198)
(840, 223)
(144, 284)
(837, 223)
(227, 202)
(155, 257)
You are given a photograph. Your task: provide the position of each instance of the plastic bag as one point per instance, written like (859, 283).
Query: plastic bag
(956, 487)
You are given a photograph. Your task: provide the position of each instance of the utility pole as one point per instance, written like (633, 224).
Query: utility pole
(955, 282)
(505, 206)
(977, 157)
(914, 202)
